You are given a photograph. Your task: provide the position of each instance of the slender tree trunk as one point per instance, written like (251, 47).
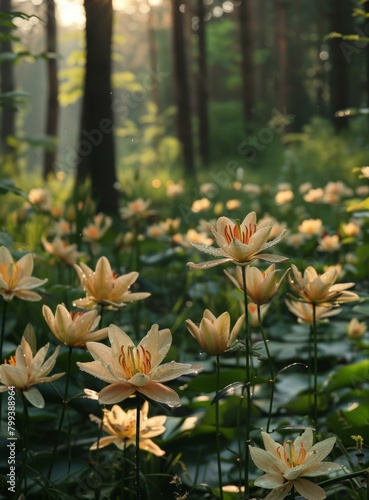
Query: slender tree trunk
(153, 57)
(340, 12)
(320, 103)
(7, 85)
(281, 57)
(182, 87)
(52, 110)
(203, 92)
(247, 66)
(96, 155)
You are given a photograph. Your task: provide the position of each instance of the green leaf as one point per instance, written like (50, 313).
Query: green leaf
(348, 376)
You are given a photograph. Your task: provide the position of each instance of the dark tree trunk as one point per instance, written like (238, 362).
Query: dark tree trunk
(96, 155)
(153, 57)
(247, 66)
(340, 15)
(203, 92)
(281, 57)
(52, 110)
(7, 85)
(320, 103)
(182, 87)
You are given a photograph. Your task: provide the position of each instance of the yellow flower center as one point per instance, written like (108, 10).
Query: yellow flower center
(242, 233)
(10, 273)
(291, 454)
(11, 361)
(135, 360)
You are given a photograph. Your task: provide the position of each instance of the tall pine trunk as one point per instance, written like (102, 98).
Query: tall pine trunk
(182, 87)
(203, 92)
(247, 66)
(96, 154)
(52, 110)
(7, 85)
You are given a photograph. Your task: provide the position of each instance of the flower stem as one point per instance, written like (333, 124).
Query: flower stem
(271, 368)
(137, 465)
(247, 382)
(65, 403)
(220, 481)
(315, 342)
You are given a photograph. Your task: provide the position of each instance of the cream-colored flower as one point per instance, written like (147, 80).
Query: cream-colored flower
(329, 243)
(28, 368)
(233, 204)
(41, 198)
(128, 368)
(103, 287)
(253, 314)
(350, 229)
(97, 228)
(214, 334)
(284, 196)
(286, 465)
(355, 329)
(16, 279)
(121, 426)
(311, 227)
(305, 312)
(261, 286)
(239, 242)
(320, 289)
(64, 252)
(200, 205)
(314, 195)
(137, 209)
(174, 189)
(74, 330)
(193, 236)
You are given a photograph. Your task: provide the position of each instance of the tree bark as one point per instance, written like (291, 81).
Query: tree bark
(340, 13)
(153, 57)
(247, 66)
(281, 57)
(52, 110)
(202, 87)
(96, 154)
(7, 85)
(182, 87)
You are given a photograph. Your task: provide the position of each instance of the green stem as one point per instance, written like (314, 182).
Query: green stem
(271, 368)
(315, 342)
(137, 465)
(220, 481)
(247, 382)
(65, 403)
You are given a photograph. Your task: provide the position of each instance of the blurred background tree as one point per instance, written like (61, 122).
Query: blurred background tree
(185, 82)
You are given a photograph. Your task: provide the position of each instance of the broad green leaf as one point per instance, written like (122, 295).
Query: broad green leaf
(348, 376)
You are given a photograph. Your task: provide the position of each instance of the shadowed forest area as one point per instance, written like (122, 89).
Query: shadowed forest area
(184, 249)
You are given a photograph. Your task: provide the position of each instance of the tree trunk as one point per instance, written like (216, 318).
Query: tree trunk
(52, 110)
(203, 92)
(281, 57)
(247, 66)
(340, 13)
(182, 87)
(96, 155)
(7, 85)
(153, 57)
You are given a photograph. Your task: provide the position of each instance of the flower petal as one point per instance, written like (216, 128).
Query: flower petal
(160, 393)
(115, 393)
(309, 490)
